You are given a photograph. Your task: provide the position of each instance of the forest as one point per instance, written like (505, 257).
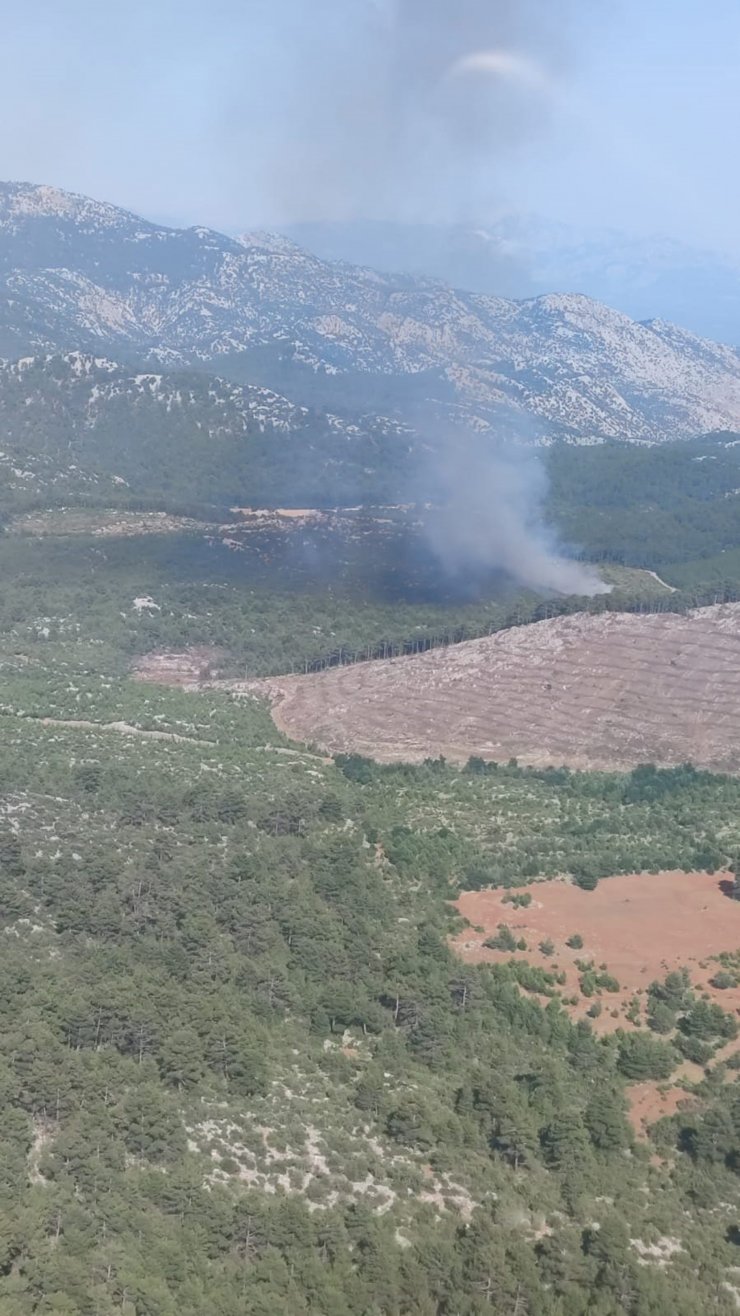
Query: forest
(242, 1069)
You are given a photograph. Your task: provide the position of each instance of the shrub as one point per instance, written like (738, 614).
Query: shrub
(520, 900)
(660, 1018)
(587, 881)
(640, 1058)
(503, 940)
(694, 1049)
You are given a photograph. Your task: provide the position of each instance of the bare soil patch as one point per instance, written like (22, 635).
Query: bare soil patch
(187, 668)
(650, 1102)
(641, 927)
(604, 692)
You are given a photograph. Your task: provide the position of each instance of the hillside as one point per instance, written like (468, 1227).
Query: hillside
(78, 274)
(245, 1070)
(253, 1059)
(607, 692)
(72, 424)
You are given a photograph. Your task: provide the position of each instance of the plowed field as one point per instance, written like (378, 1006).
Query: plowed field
(604, 692)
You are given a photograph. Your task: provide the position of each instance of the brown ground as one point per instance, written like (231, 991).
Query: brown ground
(609, 691)
(641, 927)
(185, 668)
(650, 1102)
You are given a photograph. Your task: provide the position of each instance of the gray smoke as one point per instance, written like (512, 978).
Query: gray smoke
(490, 515)
(402, 108)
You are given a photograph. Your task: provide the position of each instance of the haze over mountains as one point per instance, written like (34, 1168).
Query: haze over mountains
(529, 257)
(81, 275)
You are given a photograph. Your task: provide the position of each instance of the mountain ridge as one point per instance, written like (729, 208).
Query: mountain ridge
(78, 274)
(73, 422)
(524, 256)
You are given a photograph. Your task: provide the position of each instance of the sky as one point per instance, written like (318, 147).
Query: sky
(238, 113)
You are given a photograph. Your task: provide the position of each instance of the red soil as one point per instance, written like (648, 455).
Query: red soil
(641, 926)
(650, 1102)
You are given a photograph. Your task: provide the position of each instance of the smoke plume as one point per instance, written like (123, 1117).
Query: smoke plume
(402, 108)
(489, 514)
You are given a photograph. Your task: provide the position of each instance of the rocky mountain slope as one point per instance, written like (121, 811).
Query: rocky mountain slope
(525, 256)
(73, 423)
(78, 274)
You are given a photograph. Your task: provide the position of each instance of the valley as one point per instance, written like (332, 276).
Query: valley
(369, 946)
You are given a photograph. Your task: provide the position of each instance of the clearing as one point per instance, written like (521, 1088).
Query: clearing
(591, 692)
(637, 929)
(641, 927)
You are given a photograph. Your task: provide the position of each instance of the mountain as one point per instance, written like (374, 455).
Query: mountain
(528, 257)
(75, 423)
(78, 274)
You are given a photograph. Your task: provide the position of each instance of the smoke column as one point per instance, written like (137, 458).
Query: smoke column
(489, 515)
(402, 110)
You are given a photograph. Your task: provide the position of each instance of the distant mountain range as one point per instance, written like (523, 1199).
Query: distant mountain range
(78, 275)
(518, 257)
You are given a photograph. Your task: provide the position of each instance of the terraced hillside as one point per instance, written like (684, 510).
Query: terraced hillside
(610, 691)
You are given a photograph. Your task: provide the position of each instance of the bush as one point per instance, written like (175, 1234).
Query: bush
(503, 940)
(575, 942)
(640, 1058)
(695, 1050)
(520, 900)
(723, 980)
(660, 1018)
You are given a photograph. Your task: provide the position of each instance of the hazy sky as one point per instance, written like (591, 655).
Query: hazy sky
(238, 112)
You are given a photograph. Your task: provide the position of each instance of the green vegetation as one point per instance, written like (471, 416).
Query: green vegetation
(241, 1069)
(519, 899)
(593, 981)
(670, 508)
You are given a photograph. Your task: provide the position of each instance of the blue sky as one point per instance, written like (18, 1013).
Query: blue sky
(196, 113)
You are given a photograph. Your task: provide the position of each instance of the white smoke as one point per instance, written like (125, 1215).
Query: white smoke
(490, 517)
(403, 109)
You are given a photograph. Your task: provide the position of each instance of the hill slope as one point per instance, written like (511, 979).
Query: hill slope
(601, 692)
(75, 424)
(526, 256)
(80, 274)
